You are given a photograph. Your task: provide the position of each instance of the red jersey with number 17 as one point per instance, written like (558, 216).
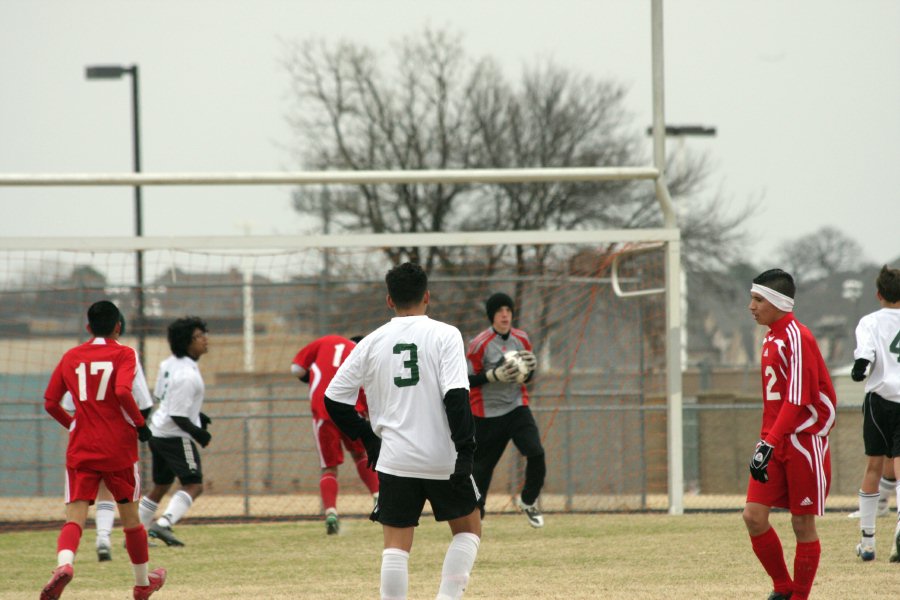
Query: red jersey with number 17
(793, 371)
(322, 358)
(99, 375)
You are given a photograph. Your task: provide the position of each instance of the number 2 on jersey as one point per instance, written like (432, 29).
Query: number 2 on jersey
(105, 368)
(771, 394)
(411, 364)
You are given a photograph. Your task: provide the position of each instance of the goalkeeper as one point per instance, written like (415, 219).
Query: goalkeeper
(499, 402)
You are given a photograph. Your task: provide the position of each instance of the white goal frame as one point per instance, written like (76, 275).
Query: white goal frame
(669, 234)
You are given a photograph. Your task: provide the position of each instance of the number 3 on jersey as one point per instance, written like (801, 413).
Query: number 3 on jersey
(410, 354)
(105, 368)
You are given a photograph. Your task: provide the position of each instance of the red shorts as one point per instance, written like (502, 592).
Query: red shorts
(799, 476)
(82, 484)
(328, 442)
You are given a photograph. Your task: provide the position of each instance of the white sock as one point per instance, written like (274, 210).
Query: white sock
(394, 574)
(141, 574)
(106, 514)
(868, 504)
(177, 508)
(458, 564)
(146, 510)
(65, 557)
(886, 489)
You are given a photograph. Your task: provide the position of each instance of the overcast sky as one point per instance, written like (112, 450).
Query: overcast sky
(805, 96)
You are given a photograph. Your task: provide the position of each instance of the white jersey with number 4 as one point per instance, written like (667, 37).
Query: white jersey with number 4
(406, 367)
(878, 341)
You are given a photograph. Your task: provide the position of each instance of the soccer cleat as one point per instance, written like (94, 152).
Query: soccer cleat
(104, 552)
(780, 596)
(895, 547)
(157, 578)
(332, 524)
(164, 534)
(532, 512)
(61, 577)
(866, 553)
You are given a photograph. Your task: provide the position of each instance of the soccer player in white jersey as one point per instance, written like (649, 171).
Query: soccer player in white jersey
(420, 436)
(176, 425)
(878, 345)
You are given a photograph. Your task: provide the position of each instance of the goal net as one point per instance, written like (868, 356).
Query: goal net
(599, 395)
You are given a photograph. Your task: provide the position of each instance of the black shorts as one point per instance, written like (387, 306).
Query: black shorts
(881, 426)
(175, 457)
(402, 499)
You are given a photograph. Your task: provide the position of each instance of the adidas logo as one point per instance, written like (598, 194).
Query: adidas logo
(806, 502)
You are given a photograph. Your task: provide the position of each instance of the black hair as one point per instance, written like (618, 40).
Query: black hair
(778, 280)
(181, 334)
(103, 317)
(494, 303)
(357, 338)
(406, 284)
(888, 284)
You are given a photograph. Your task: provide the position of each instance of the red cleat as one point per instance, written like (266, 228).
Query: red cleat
(61, 577)
(157, 578)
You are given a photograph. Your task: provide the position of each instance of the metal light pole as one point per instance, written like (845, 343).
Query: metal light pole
(117, 72)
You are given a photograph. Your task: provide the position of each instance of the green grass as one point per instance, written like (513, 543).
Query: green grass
(574, 556)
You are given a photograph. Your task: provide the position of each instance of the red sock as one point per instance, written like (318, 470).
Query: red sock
(368, 476)
(328, 488)
(136, 545)
(768, 550)
(806, 563)
(69, 537)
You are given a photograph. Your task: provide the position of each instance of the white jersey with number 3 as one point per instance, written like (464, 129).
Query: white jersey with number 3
(878, 341)
(406, 367)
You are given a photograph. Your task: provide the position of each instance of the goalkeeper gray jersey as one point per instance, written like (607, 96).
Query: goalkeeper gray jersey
(486, 352)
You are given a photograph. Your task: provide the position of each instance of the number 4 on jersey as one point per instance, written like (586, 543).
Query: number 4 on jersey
(895, 346)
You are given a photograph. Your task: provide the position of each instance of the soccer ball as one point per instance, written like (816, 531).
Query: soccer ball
(513, 357)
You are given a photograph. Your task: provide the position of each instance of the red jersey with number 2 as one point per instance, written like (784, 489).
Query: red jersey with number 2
(102, 435)
(793, 371)
(322, 358)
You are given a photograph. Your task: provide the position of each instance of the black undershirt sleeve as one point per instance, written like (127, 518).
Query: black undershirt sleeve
(348, 420)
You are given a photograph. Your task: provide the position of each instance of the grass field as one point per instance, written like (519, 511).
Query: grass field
(575, 556)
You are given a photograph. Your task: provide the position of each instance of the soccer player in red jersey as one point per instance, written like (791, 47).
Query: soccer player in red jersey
(316, 364)
(791, 465)
(103, 441)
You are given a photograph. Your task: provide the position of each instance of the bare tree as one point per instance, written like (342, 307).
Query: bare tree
(436, 109)
(819, 254)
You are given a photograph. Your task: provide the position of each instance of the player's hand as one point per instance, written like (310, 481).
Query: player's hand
(759, 461)
(204, 421)
(144, 433)
(858, 373)
(505, 372)
(529, 359)
(203, 437)
(373, 449)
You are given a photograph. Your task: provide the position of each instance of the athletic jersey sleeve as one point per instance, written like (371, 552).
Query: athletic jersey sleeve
(454, 371)
(56, 388)
(865, 339)
(345, 385)
(307, 355)
(140, 389)
(125, 374)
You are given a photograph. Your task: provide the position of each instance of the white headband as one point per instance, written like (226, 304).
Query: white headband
(778, 300)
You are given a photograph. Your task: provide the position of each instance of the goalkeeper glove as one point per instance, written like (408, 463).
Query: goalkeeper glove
(759, 462)
(859, 369)
(505, 372)
(529, 359)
